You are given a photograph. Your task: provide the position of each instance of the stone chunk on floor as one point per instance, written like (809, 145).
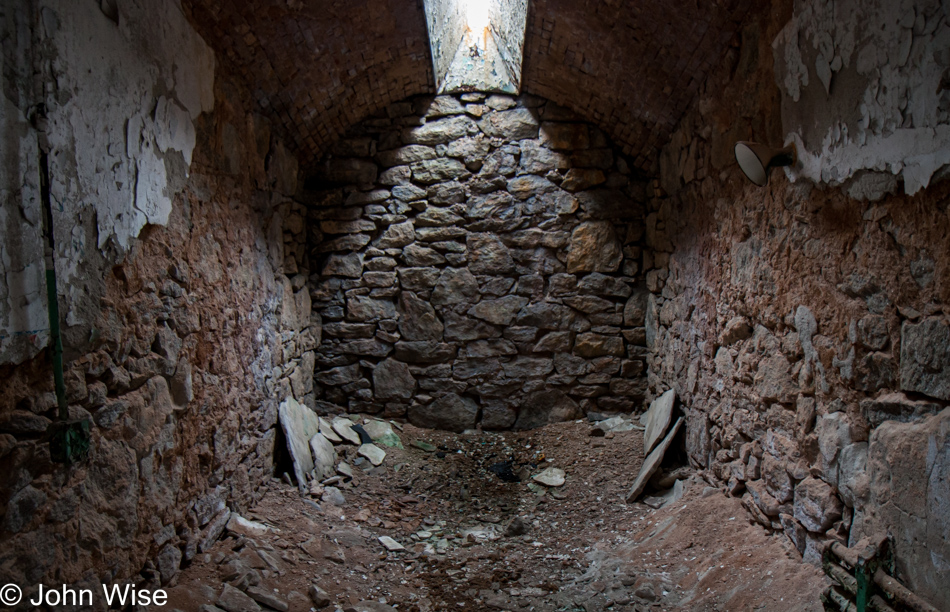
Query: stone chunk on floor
(658, 419)
(299, 424)
(652, 463)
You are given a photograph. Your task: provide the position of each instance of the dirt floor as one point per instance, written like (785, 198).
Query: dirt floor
(583, 548)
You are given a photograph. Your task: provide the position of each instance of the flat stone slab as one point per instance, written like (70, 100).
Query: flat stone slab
(344, 469)
(327, 430)
(299, 424)
(344, 428)
(658, 420)
(551, 477)
(324, 456)
(242, 526)
(390, 544)
(382, 433)
(372, 452)
(652, 463)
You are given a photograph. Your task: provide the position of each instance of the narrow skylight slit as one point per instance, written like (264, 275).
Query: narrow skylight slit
(477, 45)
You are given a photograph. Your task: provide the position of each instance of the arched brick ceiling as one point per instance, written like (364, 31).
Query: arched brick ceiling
(632, 67)
(319, 66)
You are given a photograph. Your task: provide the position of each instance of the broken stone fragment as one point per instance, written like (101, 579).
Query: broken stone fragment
(382, 433)
(299, 424)
(421, 445)
(344, 428)
(267, 598)
(319, 597)
(242, 526)
(390, 544)
(652, 463)
(332, 495)
(344, 469)
(372, 452)
(551, 477)
(658, 419)
(324, 456)
(234, 600)
(327, 430)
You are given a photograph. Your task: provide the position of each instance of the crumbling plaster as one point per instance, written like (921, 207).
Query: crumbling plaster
(508, 24)
(864, 90)
(446, 23)
(189, 324)
(803, 331)
(121, 92)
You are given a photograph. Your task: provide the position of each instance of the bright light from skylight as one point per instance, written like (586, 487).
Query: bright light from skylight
(477, 45)
(478, 16)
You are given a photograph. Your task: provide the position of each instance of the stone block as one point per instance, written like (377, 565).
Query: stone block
(545, 406)
(816, 506)
(925, 358)
(417, 318)
(565, 136)
(451, 412)
(594, 248)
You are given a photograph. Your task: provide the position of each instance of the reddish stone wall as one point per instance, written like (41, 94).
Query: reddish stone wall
(196, 340)
(800, 328)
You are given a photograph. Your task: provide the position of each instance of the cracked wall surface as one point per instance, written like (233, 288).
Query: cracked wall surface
(121, 97)
(183, 280)
(866, 94)
(804, 331)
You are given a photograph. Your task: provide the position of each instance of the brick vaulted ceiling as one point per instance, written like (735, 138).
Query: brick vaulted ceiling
(319, 66)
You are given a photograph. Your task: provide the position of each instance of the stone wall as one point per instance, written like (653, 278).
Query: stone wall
(479, 264)
(804, 331)
(185, 330)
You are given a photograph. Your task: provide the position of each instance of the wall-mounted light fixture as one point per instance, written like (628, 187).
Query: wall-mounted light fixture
(757, 159)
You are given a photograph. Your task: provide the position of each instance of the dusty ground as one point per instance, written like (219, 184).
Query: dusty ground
(583, 549)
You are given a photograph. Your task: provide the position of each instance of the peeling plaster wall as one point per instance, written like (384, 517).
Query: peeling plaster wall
(183, 276)
(865, 89)
(122, 99)
(508, 21)
(23, 319)
(446, 22)
(121, 93)
(805, 333)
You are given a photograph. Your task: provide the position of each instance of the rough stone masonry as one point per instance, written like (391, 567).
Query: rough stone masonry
(478, 262)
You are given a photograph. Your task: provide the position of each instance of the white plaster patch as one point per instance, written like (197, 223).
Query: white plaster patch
(112, 132)
(23, 315)
(173, 128)
(150, 196)
(109, 130)
(899, 127)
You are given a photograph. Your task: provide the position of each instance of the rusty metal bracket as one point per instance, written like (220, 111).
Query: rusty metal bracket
(860, 571)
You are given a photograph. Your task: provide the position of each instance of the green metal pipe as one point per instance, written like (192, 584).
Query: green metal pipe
(56, 339)
(52, 296)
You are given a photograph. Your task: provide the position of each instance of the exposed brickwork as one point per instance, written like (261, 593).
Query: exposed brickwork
(632, 68)
(318, 68)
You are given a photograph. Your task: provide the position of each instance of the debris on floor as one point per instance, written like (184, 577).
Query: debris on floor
(438, 526)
